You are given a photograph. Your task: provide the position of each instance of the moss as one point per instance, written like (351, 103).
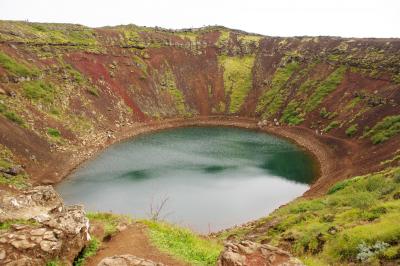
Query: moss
(15, 68)
(325, 88)
(384, 129)
(352, 130)
(237, 79)
(223, 38)
(274, 97)
(168, 84)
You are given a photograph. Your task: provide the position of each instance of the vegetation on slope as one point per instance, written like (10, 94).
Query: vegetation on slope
(15, 68)
(384, 129)
(356, 222)
(237, 79)
(176, 241)
(183, 243)
(8, 176)
(273, 98)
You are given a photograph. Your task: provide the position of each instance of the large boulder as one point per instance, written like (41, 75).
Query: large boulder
(39, 227)
(127, 260)
(248, 253)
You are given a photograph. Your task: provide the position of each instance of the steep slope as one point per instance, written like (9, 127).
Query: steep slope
(67, 91)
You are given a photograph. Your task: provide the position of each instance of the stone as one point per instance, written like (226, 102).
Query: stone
(38, 232)
(254, 254)
(22, 244)
(60, 231)
(127, 260)
(50, 246)
(2, 254)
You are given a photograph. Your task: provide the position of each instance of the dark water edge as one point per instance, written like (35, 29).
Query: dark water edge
(213, 177)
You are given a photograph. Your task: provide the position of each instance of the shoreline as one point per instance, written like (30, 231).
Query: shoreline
(325, 162)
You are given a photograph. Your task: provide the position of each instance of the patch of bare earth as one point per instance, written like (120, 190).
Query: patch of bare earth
(135, 241)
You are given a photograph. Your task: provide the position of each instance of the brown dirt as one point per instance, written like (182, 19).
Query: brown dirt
(134, 241)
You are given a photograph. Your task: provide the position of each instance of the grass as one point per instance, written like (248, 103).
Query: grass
(332, 125)
(384, 129)
(89, 251)
(5, 225)
(274, 97)
(183, 243)
(330, 230)
(7, 161)
(110, 221)
(237, 79)
(292, 114)
(325, 88)
(352, 130)
(10, 115)
(169, 84)
(15, 68)
(54, 133)
(40, 91)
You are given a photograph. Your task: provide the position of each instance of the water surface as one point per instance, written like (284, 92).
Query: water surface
(211, 177)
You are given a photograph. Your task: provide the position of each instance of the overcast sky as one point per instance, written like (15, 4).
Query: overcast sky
(347, 18)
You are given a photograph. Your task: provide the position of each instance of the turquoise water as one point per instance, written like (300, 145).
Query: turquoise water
(209, 177)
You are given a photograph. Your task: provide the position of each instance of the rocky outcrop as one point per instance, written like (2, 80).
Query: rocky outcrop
(127, 260)
(247, 253)
(38, 227)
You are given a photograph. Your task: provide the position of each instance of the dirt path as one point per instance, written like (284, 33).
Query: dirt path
(134, 241)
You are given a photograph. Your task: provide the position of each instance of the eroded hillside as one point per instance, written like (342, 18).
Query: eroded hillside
(67, 91)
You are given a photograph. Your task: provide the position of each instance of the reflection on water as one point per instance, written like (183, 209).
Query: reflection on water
(214, 177)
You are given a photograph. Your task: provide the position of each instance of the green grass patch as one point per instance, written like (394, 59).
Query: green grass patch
(39, 91)
(5, 225)
(384, 129)
(292, 114)
(53, 132)
(110, 221)
(324, 88)
(89, 251)
(183, 243)
(332, 125)
(237, 79)
(15, 68)
(352, 130)
(274, 97)
(10, 115)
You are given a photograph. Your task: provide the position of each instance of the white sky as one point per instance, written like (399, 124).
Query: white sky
(347, 18)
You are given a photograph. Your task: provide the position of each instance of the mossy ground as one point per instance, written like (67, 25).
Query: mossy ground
(274, 96)
(237, 79)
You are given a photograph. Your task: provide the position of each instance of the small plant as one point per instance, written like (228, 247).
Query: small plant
(352, 130)
(88, 251)
(366, 252)
(53, 132)
(39, 91)
(384, 129)
(332, 125)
